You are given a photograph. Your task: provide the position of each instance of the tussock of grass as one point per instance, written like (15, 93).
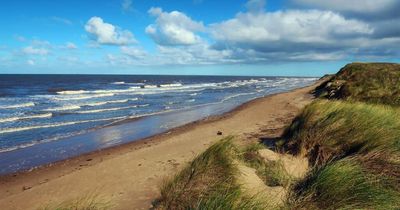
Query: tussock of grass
(368, 82)
(208, 182)
(89, 202)
(356, 155)
(274, 174)
(201, 179)
(344, 184)
(334, 129)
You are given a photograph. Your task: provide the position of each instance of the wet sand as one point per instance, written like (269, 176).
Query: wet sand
(129, 175)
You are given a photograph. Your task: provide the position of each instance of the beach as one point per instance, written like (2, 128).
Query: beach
(129, 175)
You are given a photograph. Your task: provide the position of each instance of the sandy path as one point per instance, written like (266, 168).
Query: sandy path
(129, 177)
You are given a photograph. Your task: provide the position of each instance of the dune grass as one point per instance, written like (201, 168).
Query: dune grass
(367, 82)
(352, 144)
(334, 129)
(355, 150)
(344, 184)
(208, 174)
(209, 182)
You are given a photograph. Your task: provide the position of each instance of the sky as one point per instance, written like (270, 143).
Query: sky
(196, 37)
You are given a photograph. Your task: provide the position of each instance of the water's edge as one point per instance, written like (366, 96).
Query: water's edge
(124, 132)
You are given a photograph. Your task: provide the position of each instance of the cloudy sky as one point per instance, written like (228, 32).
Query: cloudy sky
(240, 37)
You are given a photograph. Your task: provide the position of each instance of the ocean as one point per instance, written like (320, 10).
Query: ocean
(46, 118)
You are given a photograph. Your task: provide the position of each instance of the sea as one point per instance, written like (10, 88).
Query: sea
(47, 118)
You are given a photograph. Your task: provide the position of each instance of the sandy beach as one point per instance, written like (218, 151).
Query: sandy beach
(128, 176)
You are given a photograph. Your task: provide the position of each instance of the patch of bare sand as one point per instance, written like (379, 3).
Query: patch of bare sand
(254, 187)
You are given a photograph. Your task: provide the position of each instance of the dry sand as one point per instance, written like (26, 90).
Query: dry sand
(129, 175)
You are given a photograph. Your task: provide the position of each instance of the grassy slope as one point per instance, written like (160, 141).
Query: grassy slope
(355, 150)
(354, 146)
(367, 82)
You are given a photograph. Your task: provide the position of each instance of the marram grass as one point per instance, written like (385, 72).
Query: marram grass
(355, 150)
(209, 182)
(333, 129)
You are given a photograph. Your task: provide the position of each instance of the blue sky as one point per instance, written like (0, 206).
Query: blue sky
(224, 37)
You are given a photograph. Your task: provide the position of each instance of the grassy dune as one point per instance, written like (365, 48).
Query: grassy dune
(327, 130)
(352, 144)
(367, 82)
(354, 147)
(355, 150)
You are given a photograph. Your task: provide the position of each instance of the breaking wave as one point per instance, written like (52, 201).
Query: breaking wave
(14, 106)
(106, 110)
(17, 129)
(63, 108)
(11, 119)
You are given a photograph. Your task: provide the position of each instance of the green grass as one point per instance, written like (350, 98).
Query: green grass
(352, 144)
(367, 82)
(344, 184)
(209, 182)
(355, 150)
(333, 129)
(207, 174)
(274, 174)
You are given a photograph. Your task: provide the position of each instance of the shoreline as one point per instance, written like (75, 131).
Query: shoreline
(14, 182)
(138, 143)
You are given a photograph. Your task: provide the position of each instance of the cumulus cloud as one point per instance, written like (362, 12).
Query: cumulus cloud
(173, 28)
(106, 33)
(259, 36)
(369, 9)
(311, 26)
(290, 35)
(30, 50)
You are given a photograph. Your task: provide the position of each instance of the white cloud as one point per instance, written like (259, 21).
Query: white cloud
(106, 33)
(311, 26)
(359, 6)
(173, 28)
(289, 35)
(35, 51)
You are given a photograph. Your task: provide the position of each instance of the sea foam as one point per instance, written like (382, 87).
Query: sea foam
(11, 119)
(14, 106)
